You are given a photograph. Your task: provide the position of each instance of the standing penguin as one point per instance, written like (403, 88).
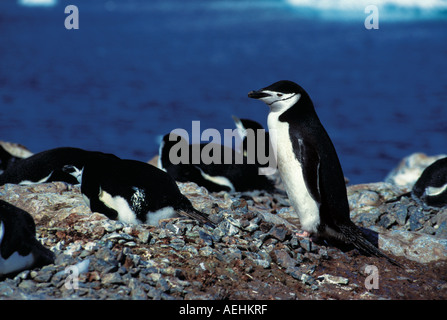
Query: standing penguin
(132, 191)
(19, 248)
(309, 167)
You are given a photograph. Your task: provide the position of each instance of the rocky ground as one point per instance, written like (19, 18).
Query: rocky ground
(253, 253)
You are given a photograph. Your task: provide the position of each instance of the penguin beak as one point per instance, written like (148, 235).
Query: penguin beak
(258, 94)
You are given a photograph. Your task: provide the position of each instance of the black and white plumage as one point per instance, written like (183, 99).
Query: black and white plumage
(431, 187)
(46, 166)
(19, 248)
(230, 172)
(6, 159)
(255, 142)
(309, 166)
(132, 191)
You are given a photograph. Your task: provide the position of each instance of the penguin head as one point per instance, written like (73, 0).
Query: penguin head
(168, 142)
(74, 171)
(279, 96)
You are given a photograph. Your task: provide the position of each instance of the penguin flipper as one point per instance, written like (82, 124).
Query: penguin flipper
(308, 156)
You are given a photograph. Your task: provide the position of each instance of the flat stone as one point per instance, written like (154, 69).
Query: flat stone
(417, 247)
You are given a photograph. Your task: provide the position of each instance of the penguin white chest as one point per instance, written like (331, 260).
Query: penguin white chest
(120, 205)
(291, 172)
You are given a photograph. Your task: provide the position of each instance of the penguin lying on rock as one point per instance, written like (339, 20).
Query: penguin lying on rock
(46, 166)
(309, 167)
(132, 191)
(19, 248)
(222, 175)
(250, 130)
(431, 187)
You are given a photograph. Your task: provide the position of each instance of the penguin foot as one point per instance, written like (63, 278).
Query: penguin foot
(304, 234)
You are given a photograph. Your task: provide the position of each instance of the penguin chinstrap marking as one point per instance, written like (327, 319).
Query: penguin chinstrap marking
(132, 191)
(19, 248)
(431, 187)
(46, 166)
(232, 174)
(309, 166)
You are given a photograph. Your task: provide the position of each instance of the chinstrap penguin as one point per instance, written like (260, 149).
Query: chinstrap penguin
(19, 248)
(227, 175)
(132, 191)
(309, 167)
(46, 166)
(431, 187)
(6, 159)
(255, 142)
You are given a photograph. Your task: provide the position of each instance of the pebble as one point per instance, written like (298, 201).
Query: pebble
(333, 279)
(283, 259)
(279, 232)
(206, 251)
(140, 262)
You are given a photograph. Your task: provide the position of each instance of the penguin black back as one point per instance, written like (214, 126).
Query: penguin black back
(255, 142)
(46, 166)
(146, 189)
(431, 187)
(19, 248)
(6, 159)
(233, 174)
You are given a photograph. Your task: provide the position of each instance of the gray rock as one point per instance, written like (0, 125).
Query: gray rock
(112, 278)
(366, 216)
(368, 198)
(441, 230)
(45, 274)
(279, 232)
(263, 263)
(144, 236)
(417, 247)
(387, 220)
(401, 214)
(333, 279)
(208, 239)
(206, 251)
(228, 228)
(283, 259)
(416, 218)
(295, 272)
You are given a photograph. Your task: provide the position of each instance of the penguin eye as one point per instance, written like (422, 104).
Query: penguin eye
(279, 94)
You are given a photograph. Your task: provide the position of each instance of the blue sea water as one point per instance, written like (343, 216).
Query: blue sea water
(135, 70)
